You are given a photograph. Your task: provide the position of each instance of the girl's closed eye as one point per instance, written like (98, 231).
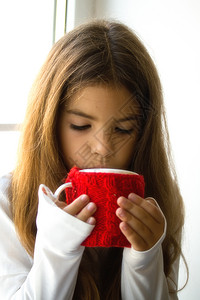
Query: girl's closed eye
(80, 127)
(123, 130)
(85, 127)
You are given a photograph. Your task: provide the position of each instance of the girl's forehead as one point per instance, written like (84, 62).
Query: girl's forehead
(104, 97)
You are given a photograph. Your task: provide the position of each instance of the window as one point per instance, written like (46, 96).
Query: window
(28, 30)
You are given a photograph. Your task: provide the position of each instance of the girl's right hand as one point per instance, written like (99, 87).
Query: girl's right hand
(81, 208)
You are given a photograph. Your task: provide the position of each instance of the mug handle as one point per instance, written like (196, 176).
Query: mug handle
(61, 189)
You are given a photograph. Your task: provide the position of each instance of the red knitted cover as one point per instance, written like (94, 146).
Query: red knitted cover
(104, 189)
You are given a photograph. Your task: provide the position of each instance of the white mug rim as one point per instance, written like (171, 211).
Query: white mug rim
(108, 170)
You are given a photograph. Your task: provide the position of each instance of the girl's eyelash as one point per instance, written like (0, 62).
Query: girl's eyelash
(85, 127)
(123, 131)
(77, 127)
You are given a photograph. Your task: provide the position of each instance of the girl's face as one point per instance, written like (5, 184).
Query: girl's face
(98, 128)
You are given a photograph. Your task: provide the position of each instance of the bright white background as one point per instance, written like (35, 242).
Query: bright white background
(170, 29)
(26, 37)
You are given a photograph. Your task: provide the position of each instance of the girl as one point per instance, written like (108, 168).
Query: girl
(97, 102)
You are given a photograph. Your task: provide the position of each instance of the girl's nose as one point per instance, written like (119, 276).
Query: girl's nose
(102, 144)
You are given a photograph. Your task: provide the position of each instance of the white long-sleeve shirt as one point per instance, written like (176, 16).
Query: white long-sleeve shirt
(52, 272)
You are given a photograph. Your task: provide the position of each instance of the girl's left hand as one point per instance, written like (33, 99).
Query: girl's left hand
(142, 221)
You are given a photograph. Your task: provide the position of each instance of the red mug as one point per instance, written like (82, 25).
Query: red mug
(104, 187)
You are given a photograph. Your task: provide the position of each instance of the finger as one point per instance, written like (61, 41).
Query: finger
(138, 243)
(91, 221)
(139, 213)
(86, 213)
(60, 204)
(77, 205)
(152, 201)
(139, 235)
(139, 227)
(150, 233)
(149, 205)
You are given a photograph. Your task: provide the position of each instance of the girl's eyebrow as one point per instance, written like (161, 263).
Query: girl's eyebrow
(80, 113)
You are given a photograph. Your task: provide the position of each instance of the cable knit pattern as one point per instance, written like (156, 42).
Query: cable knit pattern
(104, 189)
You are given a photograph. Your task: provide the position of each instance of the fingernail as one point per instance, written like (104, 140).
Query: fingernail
(120, 212)
(84, 198)
(91, 206)
(120, 200)
(123, 226)
(91, 221)
(132, 196)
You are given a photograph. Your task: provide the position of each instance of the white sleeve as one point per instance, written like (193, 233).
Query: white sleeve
(143, 275)
(52, 273)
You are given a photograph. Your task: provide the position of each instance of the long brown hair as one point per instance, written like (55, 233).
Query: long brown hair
(107, 53)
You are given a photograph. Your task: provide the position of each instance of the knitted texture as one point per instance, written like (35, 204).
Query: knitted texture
(104, 189)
